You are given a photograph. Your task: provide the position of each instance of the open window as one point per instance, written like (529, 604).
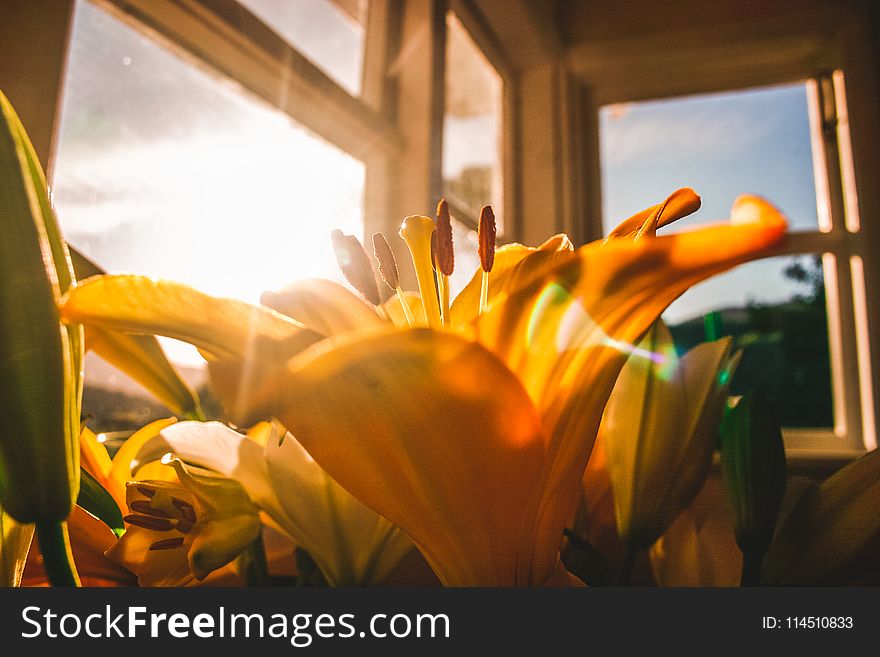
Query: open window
(799, 317)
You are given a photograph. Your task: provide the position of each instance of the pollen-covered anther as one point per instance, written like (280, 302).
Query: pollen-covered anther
(149, 522)
(145, 490)
(355, 265)
(443, 234)
(486, 234)
(143, 507)
(387, 262)
(167, 544)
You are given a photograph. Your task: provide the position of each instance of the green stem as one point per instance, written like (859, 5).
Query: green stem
(256, 570)
(57, 556)
(628, 562)
(751, 570)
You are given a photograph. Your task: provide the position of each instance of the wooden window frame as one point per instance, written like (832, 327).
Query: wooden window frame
(608, 75)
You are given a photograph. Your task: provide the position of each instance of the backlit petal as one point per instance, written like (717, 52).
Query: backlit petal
(125, 461)
(223, 327)
(515, 266)
(433, 432)
(323, 306)
(351, 543)
(567, 335)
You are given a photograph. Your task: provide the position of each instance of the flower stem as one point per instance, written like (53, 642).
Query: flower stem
(751, 570)
(57, 556)
(628, 562)
(256, 570)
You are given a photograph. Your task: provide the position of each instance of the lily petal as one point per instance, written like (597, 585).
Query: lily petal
(567, 335)
(514, 266)
(659, 434)
(214, 445)
(324, 306)
(830, 537)
(351, 543)
(403, 409)
(224, 327)
(125, 461)
(228, 524)
(141, 357)
(681, 203)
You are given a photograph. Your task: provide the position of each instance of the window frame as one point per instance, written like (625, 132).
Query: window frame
(608, 76)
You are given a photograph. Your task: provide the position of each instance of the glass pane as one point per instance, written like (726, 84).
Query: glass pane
(164, 170)
(775, 310)
(329, 32)
(755, 141)
(722, 145)
(471, 126)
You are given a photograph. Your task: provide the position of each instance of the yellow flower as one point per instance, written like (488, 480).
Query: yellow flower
(699, 547)
(831, 533)
(660, 429)
(472, 436)
(183, 532)
(351, 544)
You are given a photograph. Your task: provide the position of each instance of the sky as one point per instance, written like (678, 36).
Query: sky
(722, 145)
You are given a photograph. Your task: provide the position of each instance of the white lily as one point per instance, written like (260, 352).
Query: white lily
(352, 544)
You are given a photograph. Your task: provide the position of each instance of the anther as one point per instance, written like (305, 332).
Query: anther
(149, 522)
(167, 544)
(146, 491)
(143, 507)
(387, 263)
(444, 248)
(355, 265)
(486, 234)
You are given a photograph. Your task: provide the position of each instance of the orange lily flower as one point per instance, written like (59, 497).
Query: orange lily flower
(472, 436)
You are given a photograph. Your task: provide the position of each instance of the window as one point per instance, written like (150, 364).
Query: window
(171, 170)
(329, 32)
(795, 315)
(472, 143)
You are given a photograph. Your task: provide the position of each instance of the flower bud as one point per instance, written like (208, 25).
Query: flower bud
(753, 464)
(40, 359)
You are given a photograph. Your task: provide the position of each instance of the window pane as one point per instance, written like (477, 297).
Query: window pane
(329, 32)
(775, 310)
(755, 141)
(471, 126)
(722, 145)
(467, 256)
(164, 170)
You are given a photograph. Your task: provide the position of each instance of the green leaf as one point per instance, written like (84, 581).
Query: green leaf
(95, 499)
(39, 426)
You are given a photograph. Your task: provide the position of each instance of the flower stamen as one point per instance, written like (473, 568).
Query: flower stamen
(143, 507)
(146, 491)
(149, 522)
(389, 273)
(416, 231)
(167, 544)
(355, 265)
(486, 233)
(445, 255)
